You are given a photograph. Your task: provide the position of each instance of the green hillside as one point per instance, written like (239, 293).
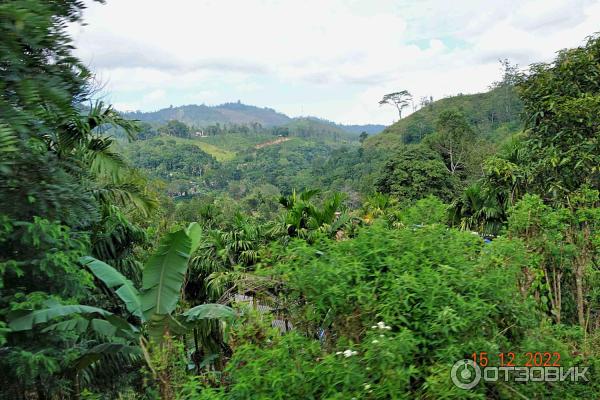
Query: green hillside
(316, 128)
(202, 115)
(220, 153)
(234, 142)
(492, 114)
(310, 125)
(232, 162)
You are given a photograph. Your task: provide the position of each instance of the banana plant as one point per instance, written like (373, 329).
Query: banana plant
(153, 305)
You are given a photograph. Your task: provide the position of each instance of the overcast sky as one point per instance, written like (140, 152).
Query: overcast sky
(328, 58)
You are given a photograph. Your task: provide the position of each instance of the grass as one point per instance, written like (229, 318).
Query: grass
(237, 142)
(219, 153)
(225, 147)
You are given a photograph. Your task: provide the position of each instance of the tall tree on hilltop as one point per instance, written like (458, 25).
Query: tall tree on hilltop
(400, 100)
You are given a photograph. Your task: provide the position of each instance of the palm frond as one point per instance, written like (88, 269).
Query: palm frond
(125, 194)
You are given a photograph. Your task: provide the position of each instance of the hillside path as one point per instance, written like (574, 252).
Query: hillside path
(272, 142)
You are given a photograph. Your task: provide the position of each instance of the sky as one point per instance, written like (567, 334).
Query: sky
(333, 59)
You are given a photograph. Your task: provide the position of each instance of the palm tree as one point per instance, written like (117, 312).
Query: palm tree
(376, 205)
(484, 205)
(304, 219)
(479, 209)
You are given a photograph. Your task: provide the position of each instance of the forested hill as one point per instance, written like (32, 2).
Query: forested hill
(492, 114)
(202, 115)
(243, 114)
(489, 118)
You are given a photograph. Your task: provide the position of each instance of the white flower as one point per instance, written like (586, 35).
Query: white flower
(382, 325)
(381, 335)
(350, 353)
(375, 341)
(367, 386)
(338, 353)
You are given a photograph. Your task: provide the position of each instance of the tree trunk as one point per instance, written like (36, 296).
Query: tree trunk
(77, 386)
(579, 288)
(165, 384)
(166, 390)
(555, 299)
(558, 296)
(581, 261)
(196, 357)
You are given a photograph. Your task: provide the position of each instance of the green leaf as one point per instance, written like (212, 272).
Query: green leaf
(194, 231)
(76, 324)
(29, 320)
(164, 273)
(209, 311)
(104, 162)
(114, 279)
(100, 326)
(96, 353)
(8, 145)
(158, 325)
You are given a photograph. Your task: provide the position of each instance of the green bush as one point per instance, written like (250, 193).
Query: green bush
(386, 314)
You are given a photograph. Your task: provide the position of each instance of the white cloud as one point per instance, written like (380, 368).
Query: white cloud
(347, 53)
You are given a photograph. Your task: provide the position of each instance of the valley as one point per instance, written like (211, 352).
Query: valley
(234, 252)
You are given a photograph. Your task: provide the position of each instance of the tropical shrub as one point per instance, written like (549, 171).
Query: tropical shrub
(386, 314)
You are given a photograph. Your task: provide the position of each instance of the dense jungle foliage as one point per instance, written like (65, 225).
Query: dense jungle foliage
(146, 261)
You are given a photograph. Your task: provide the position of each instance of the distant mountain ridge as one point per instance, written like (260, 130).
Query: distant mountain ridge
(203, 115)
(237, 113)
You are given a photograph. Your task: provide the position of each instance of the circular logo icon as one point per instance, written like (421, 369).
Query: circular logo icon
(465, 374)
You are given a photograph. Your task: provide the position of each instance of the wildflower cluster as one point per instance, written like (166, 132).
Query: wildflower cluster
(381, 325)
(347, 353)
